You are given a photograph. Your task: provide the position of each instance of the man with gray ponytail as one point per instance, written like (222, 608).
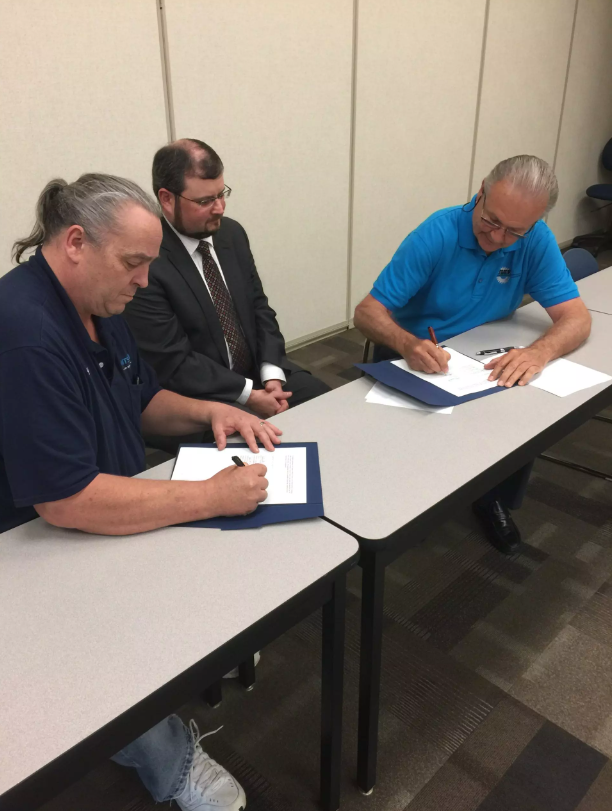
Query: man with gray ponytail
(74, 396)
(467, 265)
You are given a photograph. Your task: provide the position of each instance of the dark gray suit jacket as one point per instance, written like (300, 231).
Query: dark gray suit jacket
(177, 328)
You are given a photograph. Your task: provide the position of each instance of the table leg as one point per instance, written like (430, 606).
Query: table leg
(213, 695)
(246, 673)
(332, 694)
(372, 594)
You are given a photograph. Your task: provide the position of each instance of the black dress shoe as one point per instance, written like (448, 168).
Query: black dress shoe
(501, 530)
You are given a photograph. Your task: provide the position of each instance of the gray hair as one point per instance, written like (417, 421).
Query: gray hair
(529, 173)
(93, 202)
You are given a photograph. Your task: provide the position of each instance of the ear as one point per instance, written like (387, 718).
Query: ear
(167, 201)
(74, 243)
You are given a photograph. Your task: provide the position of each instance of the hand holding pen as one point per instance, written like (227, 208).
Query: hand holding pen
(426, 355)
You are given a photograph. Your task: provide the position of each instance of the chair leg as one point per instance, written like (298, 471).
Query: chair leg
(246, 673)
(213, 695)
(595, 241)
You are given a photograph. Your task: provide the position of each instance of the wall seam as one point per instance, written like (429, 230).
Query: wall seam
(567, 73)
(485, 31)
(351, 188)
(165, 66)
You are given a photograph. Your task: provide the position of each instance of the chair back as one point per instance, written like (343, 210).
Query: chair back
(606, 156)
(580, 263)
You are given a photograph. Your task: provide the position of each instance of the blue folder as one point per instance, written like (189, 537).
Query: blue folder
(386, 372)
(274, 513)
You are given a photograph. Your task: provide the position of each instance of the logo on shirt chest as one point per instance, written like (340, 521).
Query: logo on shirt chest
(126, 363)
(503, 275)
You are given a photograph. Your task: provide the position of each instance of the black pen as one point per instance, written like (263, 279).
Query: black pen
(237, 461)
(496, 351)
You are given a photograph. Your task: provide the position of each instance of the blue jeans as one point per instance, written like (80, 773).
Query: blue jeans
(162, 757)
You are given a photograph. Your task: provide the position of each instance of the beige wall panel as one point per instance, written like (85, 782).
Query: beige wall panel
(527, 49)
(586, 124)
(417, 85)
(81, 91)
(268, 85)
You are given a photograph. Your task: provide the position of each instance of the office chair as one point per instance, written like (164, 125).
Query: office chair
(379, 353)
(596, 242)
(581, 264)
(213, 695)
(366, 352)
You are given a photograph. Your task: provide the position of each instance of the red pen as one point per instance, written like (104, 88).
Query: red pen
(432, 337)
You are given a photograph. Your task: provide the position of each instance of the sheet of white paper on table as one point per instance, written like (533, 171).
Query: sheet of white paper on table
(563, 377)
(385, 395)
(465, 376)
(286, 473)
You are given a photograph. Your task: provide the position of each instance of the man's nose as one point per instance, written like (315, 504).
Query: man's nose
(142, 278)
(218, 207)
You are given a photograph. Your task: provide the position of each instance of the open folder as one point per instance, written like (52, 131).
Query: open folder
(310, 507)
(391, 374)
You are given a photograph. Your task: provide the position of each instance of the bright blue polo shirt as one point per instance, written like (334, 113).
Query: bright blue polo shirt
(441, 277)
(70, 408)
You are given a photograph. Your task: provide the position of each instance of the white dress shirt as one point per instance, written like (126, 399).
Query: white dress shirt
(267, 371)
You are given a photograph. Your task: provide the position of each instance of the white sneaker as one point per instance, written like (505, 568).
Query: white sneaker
(233, 674)
(209, 786)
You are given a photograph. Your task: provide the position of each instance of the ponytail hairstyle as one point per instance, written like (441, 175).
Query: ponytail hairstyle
(93, 202)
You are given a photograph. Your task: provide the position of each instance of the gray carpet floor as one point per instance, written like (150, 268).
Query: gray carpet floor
(497, 672)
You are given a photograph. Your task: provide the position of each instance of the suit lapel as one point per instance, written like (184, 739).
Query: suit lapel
(236, 284)
(177, 255)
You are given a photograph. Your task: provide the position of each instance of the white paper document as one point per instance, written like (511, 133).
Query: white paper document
(465, 376)
(385, 395)
(563, 377)
(286, 469)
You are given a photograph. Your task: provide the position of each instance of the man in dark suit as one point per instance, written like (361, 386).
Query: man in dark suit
(204, 322)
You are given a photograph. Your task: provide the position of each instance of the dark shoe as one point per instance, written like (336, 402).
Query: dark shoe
(501, 530)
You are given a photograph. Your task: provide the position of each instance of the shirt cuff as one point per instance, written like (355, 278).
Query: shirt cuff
(268, 371)
(246, 391)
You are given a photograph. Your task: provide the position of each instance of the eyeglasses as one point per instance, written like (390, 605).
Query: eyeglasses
(207, 202)
(495, 226)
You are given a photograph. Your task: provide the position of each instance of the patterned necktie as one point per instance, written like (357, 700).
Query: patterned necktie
(238, 347)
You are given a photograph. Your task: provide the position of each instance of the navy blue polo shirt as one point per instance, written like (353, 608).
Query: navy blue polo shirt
(70, 408)
(441, 277)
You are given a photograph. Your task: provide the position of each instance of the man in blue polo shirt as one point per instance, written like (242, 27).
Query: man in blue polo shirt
(467, 265)
(74, 395)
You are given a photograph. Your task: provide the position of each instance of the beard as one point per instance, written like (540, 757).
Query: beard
(209, 231)
(211, 227)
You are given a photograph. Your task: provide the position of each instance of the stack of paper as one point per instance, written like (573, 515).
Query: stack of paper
(380, 394)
